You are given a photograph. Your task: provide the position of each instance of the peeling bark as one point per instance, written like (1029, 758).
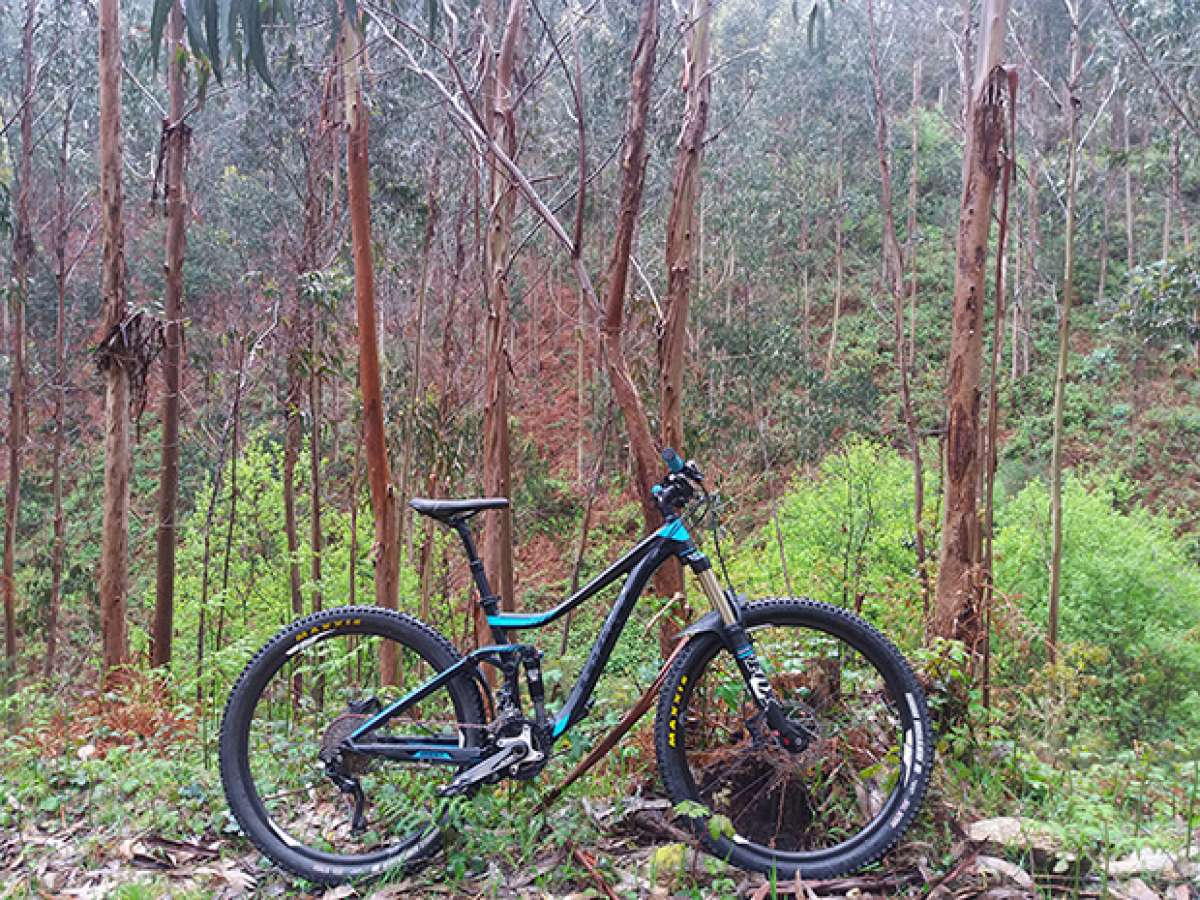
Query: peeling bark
(114, 550)
(956, 612)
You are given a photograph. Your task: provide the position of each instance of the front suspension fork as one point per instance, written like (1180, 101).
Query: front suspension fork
(737, 640)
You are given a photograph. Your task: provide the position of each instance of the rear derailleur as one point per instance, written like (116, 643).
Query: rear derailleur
(342, 767)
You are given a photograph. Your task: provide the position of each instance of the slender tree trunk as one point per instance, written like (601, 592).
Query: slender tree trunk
(805, 293)
(316, 538)
(1177, 193)
(894, 268)
(1130, 247)
(913, 183)
(839, 241)
(1064, 334)
(22, 257)
(176, 134)
(114, 550)
(580, 383)
(633, 171)
(956, 611)
(1166, 231)
(681, 222)
(680, 250)
(1033, 242)
(321, 161)
(414, 392)
(352, 574)
(497, 464)
(1102, 250)
(379, 476)
(61, 226)
(291, 452)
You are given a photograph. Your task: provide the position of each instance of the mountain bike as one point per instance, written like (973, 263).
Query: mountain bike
(796, 731)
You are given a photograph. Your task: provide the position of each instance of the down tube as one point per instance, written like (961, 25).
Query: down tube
(574, 708)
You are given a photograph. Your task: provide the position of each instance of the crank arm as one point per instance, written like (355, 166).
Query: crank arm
(482, 771)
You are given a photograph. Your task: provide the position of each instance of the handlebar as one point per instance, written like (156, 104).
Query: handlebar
(677, 489)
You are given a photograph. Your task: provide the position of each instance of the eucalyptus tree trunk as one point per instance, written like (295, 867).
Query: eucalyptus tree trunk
(1177, 195)
(114, 549)
(175, 133)
(1064, 335)
(681, 222)
(633, 171)
(680, 250)
(839, 244)
(61, 273)
(291, 454)
(21, 260)
(315, 535)
(894, 267)
(379, 476)
(408, 438)
(956, 612)
(914, 171)
(1033, 242)
(1127, 182)
(500, 97)
(322, 159)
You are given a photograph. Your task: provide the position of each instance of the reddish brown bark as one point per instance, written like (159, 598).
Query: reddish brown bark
(681, 223)
(175, 140)
(680, 250)
(956, 612)
(633, 171)
(114, 550)
(379, 476)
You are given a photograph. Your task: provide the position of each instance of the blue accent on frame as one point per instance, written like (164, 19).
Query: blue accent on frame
(745, 652)
(559, 727)
(531, 620)
(431, 754)
(674, 531)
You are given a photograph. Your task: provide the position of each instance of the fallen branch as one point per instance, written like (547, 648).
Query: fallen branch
(610, 740)
(588, 861)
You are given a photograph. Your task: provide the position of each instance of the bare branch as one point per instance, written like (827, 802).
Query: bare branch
(1163, 87)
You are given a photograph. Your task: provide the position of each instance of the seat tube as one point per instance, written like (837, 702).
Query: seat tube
(489, 601)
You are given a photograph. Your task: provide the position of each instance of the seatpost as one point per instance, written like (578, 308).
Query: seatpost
(490, 602)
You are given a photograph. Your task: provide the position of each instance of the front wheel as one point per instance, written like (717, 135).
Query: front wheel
(830, 808)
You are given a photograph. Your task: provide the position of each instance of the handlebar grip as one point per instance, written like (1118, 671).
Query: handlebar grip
(671, 458)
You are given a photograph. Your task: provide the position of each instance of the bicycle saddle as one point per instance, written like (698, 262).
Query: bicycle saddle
(445, 510)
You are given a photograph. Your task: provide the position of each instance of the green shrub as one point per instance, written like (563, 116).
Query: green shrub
(1128, 591)
(848, 539)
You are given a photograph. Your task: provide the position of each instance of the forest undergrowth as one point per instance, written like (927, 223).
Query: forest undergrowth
(1077, 776)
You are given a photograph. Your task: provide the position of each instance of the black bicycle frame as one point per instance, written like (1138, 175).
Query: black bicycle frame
(639, 565)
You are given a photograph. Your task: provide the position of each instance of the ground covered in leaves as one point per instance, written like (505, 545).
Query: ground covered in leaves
(122, 800)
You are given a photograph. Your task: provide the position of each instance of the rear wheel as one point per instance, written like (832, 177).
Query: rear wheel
(842, 801)
(307, 690)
